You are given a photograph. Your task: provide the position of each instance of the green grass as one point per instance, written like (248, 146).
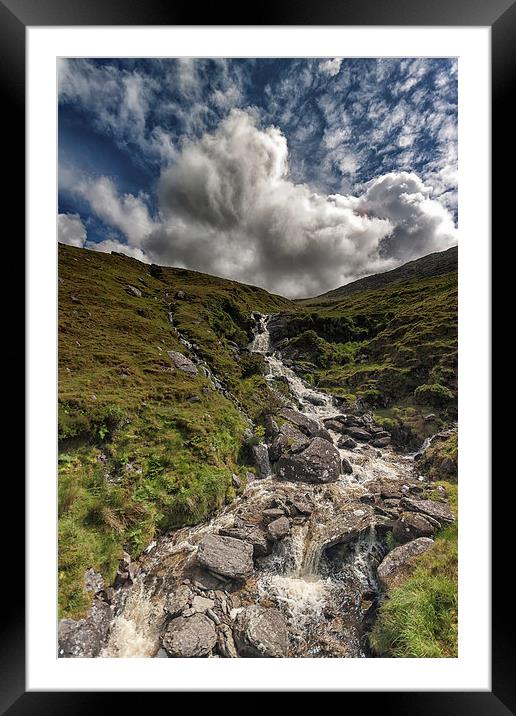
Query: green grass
(143, 448)
(419, 618)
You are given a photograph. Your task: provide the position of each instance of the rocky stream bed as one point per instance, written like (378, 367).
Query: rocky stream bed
(295, 567)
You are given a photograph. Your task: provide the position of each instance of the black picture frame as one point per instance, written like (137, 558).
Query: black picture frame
(500, 16)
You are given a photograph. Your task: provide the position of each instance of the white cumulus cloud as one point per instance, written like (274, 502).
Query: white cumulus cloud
(71, 230)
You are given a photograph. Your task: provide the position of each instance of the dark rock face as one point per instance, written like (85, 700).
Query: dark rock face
(271, 514)
(279, 528)
(436, 510)
(183, 363)
(85, 637)
(306, 425)
(397, 564)
(254, 535)
(319, 462)
(227, 556)
(381, 442)
(359, 434)
(261, 459)
(347, 442)
(261, 632)
(301, 504)
(347, 468)
(412, 525)
(191, 637)
(289, 438)
(178, 600)
(334, 424)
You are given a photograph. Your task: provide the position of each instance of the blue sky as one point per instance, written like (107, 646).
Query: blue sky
(296, 175)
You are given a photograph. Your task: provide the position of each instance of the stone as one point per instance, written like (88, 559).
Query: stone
(272, 514)
(134, 291)
(227, 556)
(437, 510)
(271, 427)
(381, 442)
(181, 362)
(161, 654)
(346, 442)
(254, 535)
(412, 525)
(359, 434)
(279, 529)
(86, 637)
(398, 564)
(289, 439)
(448, 466)
(261, 458)
(317, 463)
(93, 581)
(180, 295)
(306, 425)
(336, 425)
(301, 504)
(192, 637)
(314, 399)
(347, 468)
(201, 605)
(226, 643)
(261, 632)
(178, 600)
(236, 481)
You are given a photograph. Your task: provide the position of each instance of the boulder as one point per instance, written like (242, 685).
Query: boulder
(346, 442)
(230, 557)
(301, 504)
(272, 514)
(347, 468)
(189, 637)
(306, 425)
(133, 291)
(381, 442)
(412, 525)
(226, 643)
(437, 510)
(178, 600)
(271, 427)
(314, 399)
(261, 458)
(279, 529)
(181, 362)
(261, 632)
(85, 637)
(236, 481)
(399, 563)
(359, 434)
(93, 581)
(317, 463)
(290, 439)
(336, 425)
(254, 535)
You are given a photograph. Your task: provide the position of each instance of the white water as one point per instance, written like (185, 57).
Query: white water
(320, 596)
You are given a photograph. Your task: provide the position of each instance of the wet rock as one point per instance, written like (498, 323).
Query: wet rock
(288, 439)
(178, 600)
(227, 556)
(399, 563)
(306, 425)
(437, 510)
(347, 442)
(261, 632)
(301, 504)
(93, 581)
(271, 427)
(192, 637)
(314, 399)
(347, 468)
(261, 459)
(279, 529)
(85, 637)
(133, 291)
(226, 643)
(254, 535)
(161, 654)
(181, 362)
(317, 463)
(272, 514)
(359, 434)
(381, 442)
(336, 425)
(412, 525)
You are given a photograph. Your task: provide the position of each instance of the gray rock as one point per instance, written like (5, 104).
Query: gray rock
(134, 291)
(254, 535)
(289, 439)
(347, 468)
(314, 399)
(412, 525)
(183, 363)
(347, 442)
(192, 637)
(180, 295)
(271, 427)
(201, 605)
(318, 463)
(279, 529)
(85, 637)
(306, 425)
(93, 581)
(178, 600)
(236, 481)
(381, 442)
(161, 654)
(272, 514)
(336, 425)
(261, 632)
(301, 504)
(227, 556)
(226, 643)
(359, 434)
(437, 510)
(398, 564)
(261, 459)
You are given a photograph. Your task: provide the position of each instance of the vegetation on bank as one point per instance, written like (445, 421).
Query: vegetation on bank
(419, 618)
(143, 447)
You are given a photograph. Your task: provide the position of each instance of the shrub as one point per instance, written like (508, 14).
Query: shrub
(434, 394)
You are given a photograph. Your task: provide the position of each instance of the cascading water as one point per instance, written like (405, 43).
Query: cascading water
(321, 576)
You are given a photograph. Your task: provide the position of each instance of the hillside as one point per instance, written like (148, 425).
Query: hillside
(435, 264)
(144, 446)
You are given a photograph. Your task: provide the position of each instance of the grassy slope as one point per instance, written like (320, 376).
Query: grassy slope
(142, 447)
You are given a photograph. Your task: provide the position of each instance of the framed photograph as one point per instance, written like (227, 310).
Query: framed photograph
(258, 263)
